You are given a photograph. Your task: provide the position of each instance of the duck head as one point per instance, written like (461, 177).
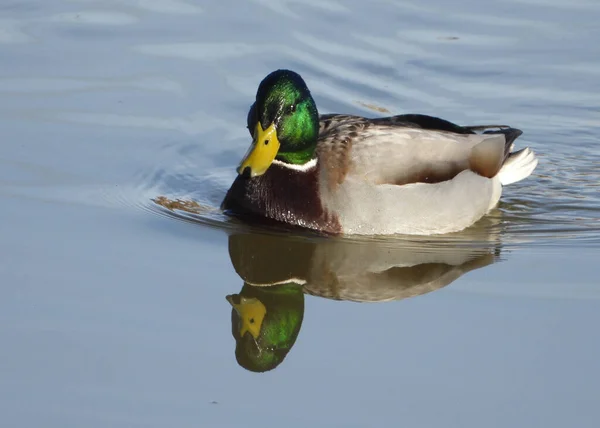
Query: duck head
(265, 322)
(283, 122)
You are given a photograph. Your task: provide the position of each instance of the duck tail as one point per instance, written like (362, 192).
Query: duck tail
(517, 166)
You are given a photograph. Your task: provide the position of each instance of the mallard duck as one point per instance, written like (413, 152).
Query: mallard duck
(345, 174)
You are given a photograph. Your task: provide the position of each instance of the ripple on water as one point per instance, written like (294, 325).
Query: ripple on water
(472, 66)
(515, 223)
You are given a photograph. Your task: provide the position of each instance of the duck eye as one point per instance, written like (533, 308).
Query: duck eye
(292, 108)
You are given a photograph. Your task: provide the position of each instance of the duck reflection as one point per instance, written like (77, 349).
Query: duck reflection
(278, 270)
(265, 322)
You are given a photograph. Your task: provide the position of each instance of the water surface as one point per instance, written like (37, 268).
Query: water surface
(113, 309)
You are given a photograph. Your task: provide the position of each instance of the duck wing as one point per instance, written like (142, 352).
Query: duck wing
(410, 148)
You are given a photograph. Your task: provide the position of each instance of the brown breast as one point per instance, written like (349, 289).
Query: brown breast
(283, 195)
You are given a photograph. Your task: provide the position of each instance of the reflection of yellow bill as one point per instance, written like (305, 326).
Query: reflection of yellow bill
(252, 313)
(262, 152)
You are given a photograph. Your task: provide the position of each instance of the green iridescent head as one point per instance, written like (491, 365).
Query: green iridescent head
(283, 122)
(265, 322)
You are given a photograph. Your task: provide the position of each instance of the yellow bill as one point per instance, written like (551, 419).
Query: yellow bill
(262, 152)
(252, 313)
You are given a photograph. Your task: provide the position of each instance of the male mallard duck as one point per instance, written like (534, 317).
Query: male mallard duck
(334, 173)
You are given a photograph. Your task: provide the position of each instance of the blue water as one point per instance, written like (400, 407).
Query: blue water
(113, 309)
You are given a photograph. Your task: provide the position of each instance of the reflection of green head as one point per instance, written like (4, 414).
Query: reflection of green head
(265, 322)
